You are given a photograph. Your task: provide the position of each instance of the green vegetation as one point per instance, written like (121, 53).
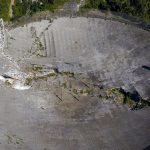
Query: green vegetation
(8, 83)
(21, 8)
(28, 81)
(4, 9)
(14, 139)
(64, 85)
(75, 91)
(39, 73)
(139, 8)
(116, 95)
(37, 68)
(119, 97)
(69, 74)
(122, 98)
(27, 7)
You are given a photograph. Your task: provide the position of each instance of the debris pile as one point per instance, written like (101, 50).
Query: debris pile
(15, 79)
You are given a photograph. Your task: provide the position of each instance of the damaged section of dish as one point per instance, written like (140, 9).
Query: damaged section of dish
(15, 79)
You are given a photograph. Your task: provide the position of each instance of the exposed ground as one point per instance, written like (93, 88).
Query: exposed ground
(72, 108)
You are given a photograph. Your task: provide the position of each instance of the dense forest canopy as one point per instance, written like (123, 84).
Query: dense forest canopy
(139, 8)
(27, 7)
(4, 9)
